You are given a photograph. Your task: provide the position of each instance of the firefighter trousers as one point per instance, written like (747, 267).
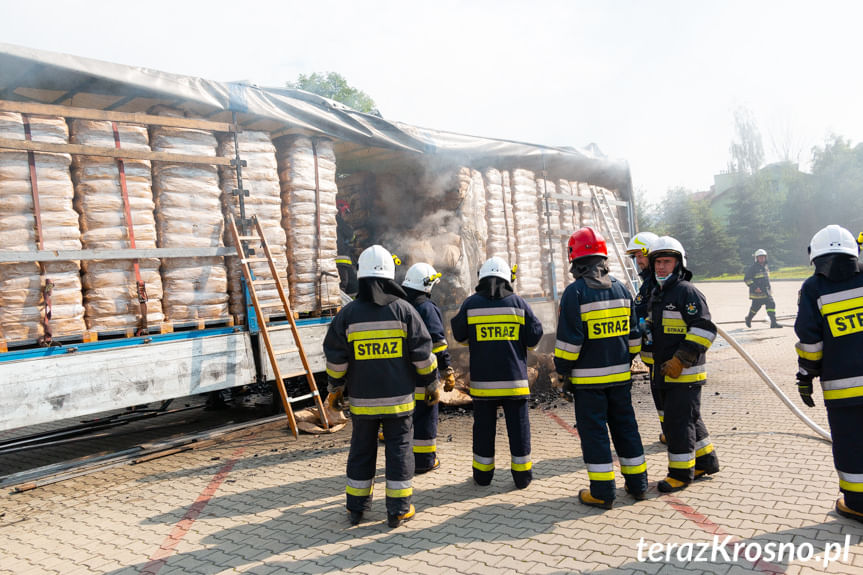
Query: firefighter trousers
(848, 452)
(768, 303)
(518, 429)
(658, 399)
(598, 412)
(689, 445)
(425, 436)
(399, 463)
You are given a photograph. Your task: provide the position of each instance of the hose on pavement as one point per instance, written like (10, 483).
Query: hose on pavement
(757, 368)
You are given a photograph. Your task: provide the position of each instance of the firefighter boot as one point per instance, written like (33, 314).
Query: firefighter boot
(585, 497)
(396, 520)
(356, 517)
(846, 511)
(670, 485)
(773, 322)
(748, 320)
(637, 495)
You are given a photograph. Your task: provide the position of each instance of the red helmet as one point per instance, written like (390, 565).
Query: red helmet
(586, 242)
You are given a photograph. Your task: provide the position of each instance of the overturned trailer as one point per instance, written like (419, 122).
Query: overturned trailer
(117, 180)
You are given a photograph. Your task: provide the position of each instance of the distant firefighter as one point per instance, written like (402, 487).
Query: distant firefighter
(757, 277)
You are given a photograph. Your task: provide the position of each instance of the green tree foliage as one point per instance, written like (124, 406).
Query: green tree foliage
(837, 184)
(334, 86)
(715, 250)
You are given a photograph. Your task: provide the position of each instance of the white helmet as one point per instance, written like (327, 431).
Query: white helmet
(421, 277)
(759, 252)
(495, 267)
(832, 240)
(640, 242)
(665, 246)
(376, 262)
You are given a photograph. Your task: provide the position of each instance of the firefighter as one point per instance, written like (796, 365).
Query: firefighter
(757, 277)
(682, 333)
(639, 248)
(597, 339)
(418, 283)
(345, 240)
(498, 326)
(378, 351)
(829, 326)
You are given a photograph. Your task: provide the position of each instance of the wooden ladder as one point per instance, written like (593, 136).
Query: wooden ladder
(246, 257)
(618, 241)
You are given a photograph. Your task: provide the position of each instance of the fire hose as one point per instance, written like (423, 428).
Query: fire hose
(757, 368)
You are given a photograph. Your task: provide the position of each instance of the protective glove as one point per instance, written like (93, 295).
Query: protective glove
(449, 379)
(673, 367)
(433, 396)
(804, 388)
(563, 387)
(334, 399)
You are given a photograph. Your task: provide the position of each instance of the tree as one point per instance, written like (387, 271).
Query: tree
(716, 250)
(747, 150)
(334, 86)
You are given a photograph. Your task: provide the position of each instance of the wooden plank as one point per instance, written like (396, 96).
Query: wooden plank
(568, 197)
(125, 154)
(132, 117)
(127, 254)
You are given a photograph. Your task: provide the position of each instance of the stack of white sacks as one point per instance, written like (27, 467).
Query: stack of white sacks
(261, 179)
(110, 288)
(307, 176)
(527, 248)
(189, 215)
(21, 285)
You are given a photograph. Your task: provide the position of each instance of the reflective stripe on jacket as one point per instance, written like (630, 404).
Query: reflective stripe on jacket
(380, 354)
(829, 326)
(597, 335)
(499, 333)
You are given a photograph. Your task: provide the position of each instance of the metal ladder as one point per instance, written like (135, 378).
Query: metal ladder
(618, 241)
(246, 255)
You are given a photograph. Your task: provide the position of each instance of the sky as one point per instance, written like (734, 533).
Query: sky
(653, 82)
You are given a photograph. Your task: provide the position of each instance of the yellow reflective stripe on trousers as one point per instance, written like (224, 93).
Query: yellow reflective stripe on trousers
(425, 445)
(359, 487)
(399, 488)
(600, 471)
(632, 465)
(681, 460)
(521, 463)
(483, 463)
(703, 447)
(851, 481)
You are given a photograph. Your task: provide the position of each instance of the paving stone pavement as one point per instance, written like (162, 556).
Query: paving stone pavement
(272, 504)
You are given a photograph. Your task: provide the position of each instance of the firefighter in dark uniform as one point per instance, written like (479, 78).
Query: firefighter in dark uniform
(597, 339)
(829, 326)
(499, 327)
(639, 248)
(757, 277)
(418, 283)
(682, 333)
(378, 351)
(345, 240)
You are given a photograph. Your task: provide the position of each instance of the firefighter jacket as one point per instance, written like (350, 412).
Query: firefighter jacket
(380, 354)
(757, 276)
(433, 320)
(680, 326)
(499, 331)
(642, 313)
(597, 335)
(830, 328)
